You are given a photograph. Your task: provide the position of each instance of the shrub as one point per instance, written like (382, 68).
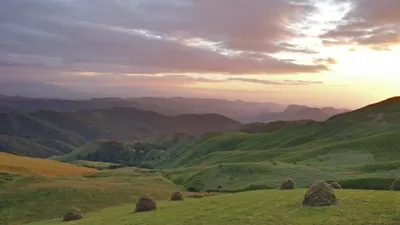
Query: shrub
(335, 185)
(145, 204)
(193, 189)
(72, 214)
(288, 184)
(395, 185)
(320, 194)
(274, 163)
(177, 196)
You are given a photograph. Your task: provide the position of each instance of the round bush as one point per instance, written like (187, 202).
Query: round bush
(335, 185)
(395, 185)
(145, 204)
(320, 194)
(72, 214)
(288, 184)
(177, 196)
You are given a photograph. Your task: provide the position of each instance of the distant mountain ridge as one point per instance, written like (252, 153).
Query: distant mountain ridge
(300, 112)
(238, 110)
(44, 133)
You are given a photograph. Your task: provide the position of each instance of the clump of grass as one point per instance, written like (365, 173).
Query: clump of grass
(335, 185)
(395, 185)
(288, 184)
(320, 194)
(177, 196)
(72, 214)
(146, 203)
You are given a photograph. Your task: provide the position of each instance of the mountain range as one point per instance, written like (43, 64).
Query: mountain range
(44, 133)
(245, 112)
(300, 112)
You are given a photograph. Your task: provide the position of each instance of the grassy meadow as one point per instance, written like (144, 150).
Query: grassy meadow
(274, 207)
(36, 189)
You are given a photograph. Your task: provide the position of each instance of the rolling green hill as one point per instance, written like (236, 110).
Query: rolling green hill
(45, 133)
(35, 189)
(272, 207)
(340, 149)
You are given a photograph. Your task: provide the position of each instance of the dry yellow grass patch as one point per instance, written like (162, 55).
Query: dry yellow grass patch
(39, 167)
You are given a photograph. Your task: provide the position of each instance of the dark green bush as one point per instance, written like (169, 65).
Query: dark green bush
(193, 189)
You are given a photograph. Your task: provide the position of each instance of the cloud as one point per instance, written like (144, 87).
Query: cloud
(147, 37)
(369, 23)
(270, 82)
(325, 61)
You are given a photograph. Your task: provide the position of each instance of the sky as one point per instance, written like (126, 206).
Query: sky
(342, 53)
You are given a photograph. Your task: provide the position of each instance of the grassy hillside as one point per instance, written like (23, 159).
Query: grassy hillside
(259, 207)
(55, 133)
(36, 189)
(347, 147)
(13, 164)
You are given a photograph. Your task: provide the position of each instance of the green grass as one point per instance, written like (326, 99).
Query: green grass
(26, 199)
(233, 177)
(93, 164)
(248, 176)
(272, 207)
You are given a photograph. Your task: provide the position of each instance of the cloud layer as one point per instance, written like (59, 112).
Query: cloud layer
(370, 23)
(152, 36)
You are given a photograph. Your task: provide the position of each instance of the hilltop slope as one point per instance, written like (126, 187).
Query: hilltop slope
(55, 133)
(13, 164)
(387, 111)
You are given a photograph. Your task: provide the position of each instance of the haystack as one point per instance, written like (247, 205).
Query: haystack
(72, 214)
(177, 196)
(335, 185)
(145, 204)
(395, 185)
(288, 184)
(320, 194)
